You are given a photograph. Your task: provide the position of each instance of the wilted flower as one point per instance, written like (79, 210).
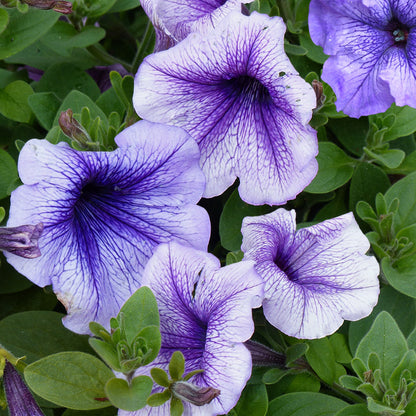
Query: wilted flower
(315, 277)
(19, 399)
(22, 240)
(236, 92)
(105, 212)
(372, 48)
(205, 312)
(174, 20)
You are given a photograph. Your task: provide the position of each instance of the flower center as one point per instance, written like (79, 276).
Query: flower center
(399, 32)
(250, 88)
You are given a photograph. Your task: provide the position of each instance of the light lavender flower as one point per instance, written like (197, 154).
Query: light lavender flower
(315, 277)
(174, 20)
(206, 313)
(372, 48)
(105, 212)
(236, 92)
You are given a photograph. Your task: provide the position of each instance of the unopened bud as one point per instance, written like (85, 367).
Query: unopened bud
(22, 240)
(319, 91)
(73, 129)
(9, 3)
(64, 7)
(188, 392)
(19, 399)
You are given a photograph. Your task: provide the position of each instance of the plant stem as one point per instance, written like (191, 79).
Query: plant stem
(144, 44)
(99, 52)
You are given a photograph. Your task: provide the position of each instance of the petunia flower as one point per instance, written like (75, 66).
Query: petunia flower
(174, 20)
(105, 212)
(236, 92)
(206, 313)
(372, 48)
(314, 277)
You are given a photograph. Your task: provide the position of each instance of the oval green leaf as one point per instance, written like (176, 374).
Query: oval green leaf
(70, 379)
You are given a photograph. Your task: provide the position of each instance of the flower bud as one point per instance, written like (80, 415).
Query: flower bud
(73, 129)
(64, 7)
(319, 91)
(21, 240)
(19, 399)
(188, 392)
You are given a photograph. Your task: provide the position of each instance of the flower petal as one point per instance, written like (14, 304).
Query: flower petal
(105, 212)
(315, 278)
(236, 92)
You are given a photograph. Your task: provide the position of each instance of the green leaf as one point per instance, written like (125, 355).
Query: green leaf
(70, 379)
(350, 382)
(339, 346)
(25, 29)
(305, 403)
(391, 158)
(401, 307)
(37, 334)
(95, 8)
(355, 410)
(232, 217)
(321, 358)
(234, 257)
(13, 101)
(10, 280)
(404, 122)
(296, 351)
(176, 365)
(62, 78)
(63, 37)
(387, 341)
(176, 407)
(335, 169)
(367, 181)
(8, 173)
(253, 401)
(44, 105)
(404, 190)
(107, 352)
(351, 133)
(408, 363)
(160, 377)
(122, 5)
(402, 274)
(315, 53)
(4, 20)
(140, 311)
(131, 396)
(157, 399)
(273, 375)
(376, 407)
(411, 340)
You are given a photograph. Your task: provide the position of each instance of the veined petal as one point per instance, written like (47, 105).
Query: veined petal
(236, 92)
(372, 50)
(105, 212)
(314, 278)
(205, 312)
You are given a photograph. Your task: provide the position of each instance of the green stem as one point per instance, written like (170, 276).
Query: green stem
(17, 362)
(144, 44)
(100, 53)
(354, 397)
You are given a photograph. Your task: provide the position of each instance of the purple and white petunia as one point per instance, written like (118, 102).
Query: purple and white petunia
(315, 277)
(206, 313)
(236, 92)
(105, 212)
(174, 20)
(372, 48)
